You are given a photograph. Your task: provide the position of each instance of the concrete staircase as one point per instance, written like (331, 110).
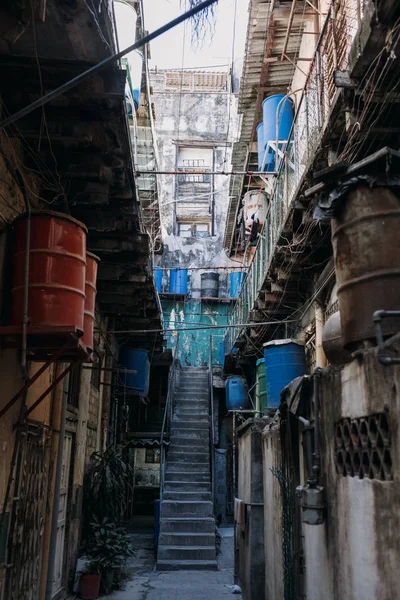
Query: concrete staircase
(187, 528)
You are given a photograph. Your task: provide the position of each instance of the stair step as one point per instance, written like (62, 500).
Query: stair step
(181, 457)
(187, 440)
(187, 539)
(186, 552)
(201, 508)
(202, 425)
(181, 495)
(186, 565)
(193, 432)
(176, 485)
(194, 412)
(187, 525)
(187, 476)
(184, 421)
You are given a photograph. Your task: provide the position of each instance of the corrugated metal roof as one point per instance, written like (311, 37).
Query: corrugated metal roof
(264, 73)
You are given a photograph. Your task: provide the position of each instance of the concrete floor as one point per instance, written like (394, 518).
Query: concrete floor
(147, 584)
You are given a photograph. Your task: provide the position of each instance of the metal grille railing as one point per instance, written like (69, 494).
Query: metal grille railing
(311, 119)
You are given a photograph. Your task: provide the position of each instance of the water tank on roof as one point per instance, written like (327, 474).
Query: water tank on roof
(158, 276)
(260, 146)
(278, 115)
(57, 270)
(209, 285)
(178, 281)
(284, 361)
(92, 262)
(255, 203)
(237, 393)
(137, 361)
(236, 279)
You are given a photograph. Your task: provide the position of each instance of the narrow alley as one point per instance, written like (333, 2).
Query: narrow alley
(199, 299)
(149, 584)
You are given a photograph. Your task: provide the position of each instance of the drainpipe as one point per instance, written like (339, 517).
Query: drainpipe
(56, 498)
(25, 321)
(319, 326)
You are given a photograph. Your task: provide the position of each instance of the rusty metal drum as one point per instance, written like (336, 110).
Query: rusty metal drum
(366, 245)
(57, 269)
(92, 262)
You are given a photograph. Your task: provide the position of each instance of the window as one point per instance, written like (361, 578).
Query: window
(199, 230)
(194, 159)
(152, 455)
(71, 386)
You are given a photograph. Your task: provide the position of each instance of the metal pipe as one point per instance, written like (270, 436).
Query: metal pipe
(317, 454)
(378, 316)
(212, 440)
(185, 329)
(229, 173)
(56, 501)
(289, 27)
(65, 87)
(49, 389)
(25, 322)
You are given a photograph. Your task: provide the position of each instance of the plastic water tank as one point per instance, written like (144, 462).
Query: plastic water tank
(255, 202)
(276, 111)
(137, 360)
(178, 281)
(260, 146)
(209, 285)
(222, 353)
(92, 262)
(158, 276)
(261, 386)
(236, 279)
(57, 271)
(237, 393)
(284, 361)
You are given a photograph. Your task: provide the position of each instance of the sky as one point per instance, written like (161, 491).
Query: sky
(174, 50)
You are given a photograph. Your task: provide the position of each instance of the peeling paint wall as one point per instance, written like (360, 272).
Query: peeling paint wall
(355, 552)
(194, 119)
(194, 345)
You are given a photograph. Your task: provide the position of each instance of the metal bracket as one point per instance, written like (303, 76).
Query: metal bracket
(378, 316)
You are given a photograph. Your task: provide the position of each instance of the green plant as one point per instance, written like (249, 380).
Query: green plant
(106, 486)
(108, 548)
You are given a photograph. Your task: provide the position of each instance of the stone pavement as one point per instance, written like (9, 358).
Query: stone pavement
(148, 584)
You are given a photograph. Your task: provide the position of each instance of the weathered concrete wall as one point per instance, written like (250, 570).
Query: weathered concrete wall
(354, 553)
(251, 566)
(194, 345)
(194, 120)
(273, 535)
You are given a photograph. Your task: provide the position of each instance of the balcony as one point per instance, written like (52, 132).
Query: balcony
(290, 236)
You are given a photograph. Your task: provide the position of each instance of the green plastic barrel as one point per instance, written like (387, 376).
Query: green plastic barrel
(261, 387)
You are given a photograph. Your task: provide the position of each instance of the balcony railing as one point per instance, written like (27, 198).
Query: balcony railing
(312, 116)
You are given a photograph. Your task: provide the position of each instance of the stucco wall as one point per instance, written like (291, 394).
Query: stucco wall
(198, 120)
(355, 552)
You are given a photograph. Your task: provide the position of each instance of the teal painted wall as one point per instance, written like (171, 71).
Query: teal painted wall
(194, 345)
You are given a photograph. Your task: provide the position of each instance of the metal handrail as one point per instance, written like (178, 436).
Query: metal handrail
(167, 418)
(211, 413)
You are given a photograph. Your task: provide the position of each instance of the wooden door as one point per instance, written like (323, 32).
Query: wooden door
(62, 515)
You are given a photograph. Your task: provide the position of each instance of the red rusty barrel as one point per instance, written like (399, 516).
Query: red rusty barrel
(92, 262)
(365, 240)
(56, 271)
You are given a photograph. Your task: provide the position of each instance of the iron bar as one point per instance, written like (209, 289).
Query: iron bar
(68, 85)
(48, 390)
(288, 29)
(32, 380)
(228, 173)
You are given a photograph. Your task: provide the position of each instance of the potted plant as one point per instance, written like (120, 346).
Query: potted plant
(108, 549)
(89, 583)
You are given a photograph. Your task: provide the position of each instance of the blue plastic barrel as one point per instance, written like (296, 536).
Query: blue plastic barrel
(236, 279)
(261, 146)
(222, 353)
(284, 361)
(158, 276)
(178, 281)
(135, 360)
(237, 394)
(156, 525)
(273, 110)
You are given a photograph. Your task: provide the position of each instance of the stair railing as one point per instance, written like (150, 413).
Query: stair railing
(167, 418)
(211, 414)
